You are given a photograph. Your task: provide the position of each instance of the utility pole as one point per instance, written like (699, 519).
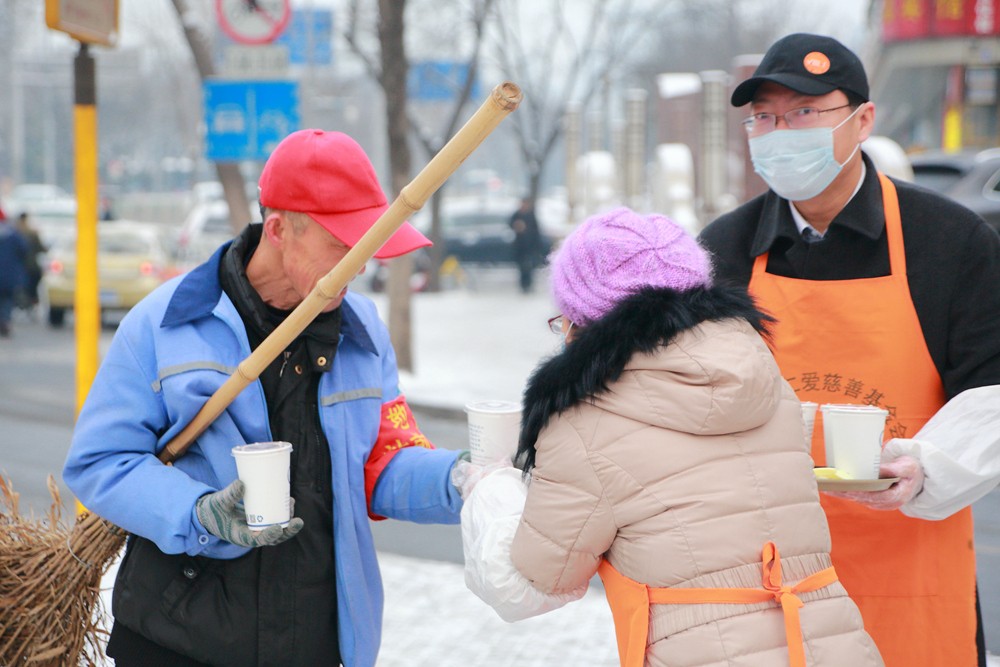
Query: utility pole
(89, 22)
(86, 304)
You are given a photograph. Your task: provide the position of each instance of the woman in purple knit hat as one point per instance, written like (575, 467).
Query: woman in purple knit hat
(665, 452)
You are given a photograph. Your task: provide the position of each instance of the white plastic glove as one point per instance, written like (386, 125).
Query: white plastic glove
(490, 518)
(465, 474)
(959, 450)
(911, 480)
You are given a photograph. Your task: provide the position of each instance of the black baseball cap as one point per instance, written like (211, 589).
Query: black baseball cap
(808, 64)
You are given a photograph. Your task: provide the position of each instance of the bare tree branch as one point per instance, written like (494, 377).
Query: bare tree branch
(480, 13)
(456, 26)
(432, 141)
(569, 65)
(351, 37)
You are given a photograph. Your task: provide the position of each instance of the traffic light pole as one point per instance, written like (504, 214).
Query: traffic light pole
(86, 306)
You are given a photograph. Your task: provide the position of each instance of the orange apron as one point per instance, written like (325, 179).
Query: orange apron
(630, 601)
(859, 341)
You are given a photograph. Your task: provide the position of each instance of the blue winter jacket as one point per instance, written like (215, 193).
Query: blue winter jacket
(171, 352)
(13, 257)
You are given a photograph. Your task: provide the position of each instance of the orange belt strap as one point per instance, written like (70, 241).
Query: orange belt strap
(630, 601)
(773, 590)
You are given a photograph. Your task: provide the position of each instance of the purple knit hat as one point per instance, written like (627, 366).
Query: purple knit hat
(615, 254)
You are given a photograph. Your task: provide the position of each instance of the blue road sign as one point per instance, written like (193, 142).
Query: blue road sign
(438, 80)
(309, 37)
(245, 120)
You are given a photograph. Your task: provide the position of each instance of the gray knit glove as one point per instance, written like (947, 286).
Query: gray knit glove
(222, 515)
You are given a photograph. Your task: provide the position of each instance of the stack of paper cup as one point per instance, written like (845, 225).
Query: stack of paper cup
(264, 469)
(853, 438)
(808, 420)
(494, 427)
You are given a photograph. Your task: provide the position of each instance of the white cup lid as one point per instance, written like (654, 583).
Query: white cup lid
(262, 448)
(493, 407)
(846, 407)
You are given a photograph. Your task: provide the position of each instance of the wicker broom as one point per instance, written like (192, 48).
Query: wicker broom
(50, 574)
(49, 607)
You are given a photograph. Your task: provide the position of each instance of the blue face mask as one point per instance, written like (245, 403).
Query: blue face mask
(798, 164)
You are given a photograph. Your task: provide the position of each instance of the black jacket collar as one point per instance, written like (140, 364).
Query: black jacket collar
(862, 214)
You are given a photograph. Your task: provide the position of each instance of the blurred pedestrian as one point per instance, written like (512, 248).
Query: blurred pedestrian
(665, 453)
(33, 265)
(527, 245)
(196, 585)
(107, 210)
(885, 294)
(13, 274)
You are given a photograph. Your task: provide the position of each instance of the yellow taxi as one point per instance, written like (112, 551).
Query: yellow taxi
(131, 261)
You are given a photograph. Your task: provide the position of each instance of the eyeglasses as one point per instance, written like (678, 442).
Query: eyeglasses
(556, 325)
(796, 119)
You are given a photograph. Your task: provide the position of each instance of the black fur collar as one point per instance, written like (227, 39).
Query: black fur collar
(599, 352)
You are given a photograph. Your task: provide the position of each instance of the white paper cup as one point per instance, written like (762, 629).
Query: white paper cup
(494, 427)
(808, 420)
(265, 469)
(853, 438)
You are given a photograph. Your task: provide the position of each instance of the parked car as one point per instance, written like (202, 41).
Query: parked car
(131, 263)
(205, 228)
(972, 178)
(26, 196)
(53, 226)
(477, 230)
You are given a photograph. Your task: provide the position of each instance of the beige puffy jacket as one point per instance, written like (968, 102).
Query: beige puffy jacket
(678, 474)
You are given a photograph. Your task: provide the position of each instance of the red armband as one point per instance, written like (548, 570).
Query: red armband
(397, 430)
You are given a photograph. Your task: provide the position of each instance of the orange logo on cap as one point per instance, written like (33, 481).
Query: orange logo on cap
(816, 63)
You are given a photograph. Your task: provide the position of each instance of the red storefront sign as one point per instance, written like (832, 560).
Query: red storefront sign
(950, 17)
(922, 19)
(905, 19)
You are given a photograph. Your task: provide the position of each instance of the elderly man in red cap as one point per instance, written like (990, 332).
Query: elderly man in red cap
(197, 586)
(885, 294)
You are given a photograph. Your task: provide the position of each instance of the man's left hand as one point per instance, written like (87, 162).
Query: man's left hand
(911, 480)
(221, 514)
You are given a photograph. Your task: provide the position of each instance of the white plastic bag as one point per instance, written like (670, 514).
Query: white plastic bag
(959, 449)
(489, 520)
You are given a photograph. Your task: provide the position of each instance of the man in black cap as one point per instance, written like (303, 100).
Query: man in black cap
(885, 295)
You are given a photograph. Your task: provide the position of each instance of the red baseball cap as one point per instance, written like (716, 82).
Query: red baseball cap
(328, 176)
